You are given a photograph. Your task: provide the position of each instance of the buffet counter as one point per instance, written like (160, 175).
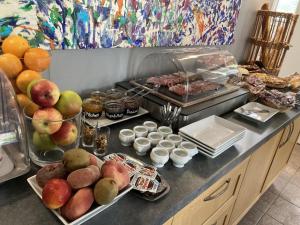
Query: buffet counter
(20, 205)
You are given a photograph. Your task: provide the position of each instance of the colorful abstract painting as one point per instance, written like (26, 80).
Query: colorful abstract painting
(71, 24)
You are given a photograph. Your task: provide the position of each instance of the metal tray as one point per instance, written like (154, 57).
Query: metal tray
(91, 213)
(103, 121)
(256, 112)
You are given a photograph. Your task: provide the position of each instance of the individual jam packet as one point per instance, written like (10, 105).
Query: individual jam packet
(149, 171)
(131, 166)
(144, 183)
(115, 157)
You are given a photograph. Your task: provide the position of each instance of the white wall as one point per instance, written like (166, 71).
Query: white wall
(93, 69)
(291, 63)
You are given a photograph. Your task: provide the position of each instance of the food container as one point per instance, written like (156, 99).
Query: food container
(126, 137)
(114, 94)
(165, 131)
(92, 108)
(190, 147)
(141, 146)
(131, 105)
(114, 110)
(43, 148)
(99, 95)
(180, 157)
(176, 139)
(155, 138)
(151, 126)
(159, 156)
(140, 131)
(168, 145)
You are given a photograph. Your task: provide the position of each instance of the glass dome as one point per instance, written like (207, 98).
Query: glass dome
(187, 76)
(14, 156)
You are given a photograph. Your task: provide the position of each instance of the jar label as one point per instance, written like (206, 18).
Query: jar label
(132, 111)
(114, 115)
(90, 115)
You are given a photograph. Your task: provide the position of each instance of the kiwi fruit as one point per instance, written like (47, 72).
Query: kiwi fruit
(76, 158)
(105, 191)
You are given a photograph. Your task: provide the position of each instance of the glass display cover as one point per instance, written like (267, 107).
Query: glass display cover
(187, 76)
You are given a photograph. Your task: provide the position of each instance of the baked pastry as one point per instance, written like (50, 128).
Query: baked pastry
(277, 99)
(271, 81)
(294, 81)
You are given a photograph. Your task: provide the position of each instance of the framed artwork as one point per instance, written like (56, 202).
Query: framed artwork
(73, 24)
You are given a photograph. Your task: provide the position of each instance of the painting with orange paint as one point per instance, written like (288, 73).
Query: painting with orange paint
(74, 24)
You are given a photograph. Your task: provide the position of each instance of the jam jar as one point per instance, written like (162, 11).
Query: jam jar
(99, 95)
(114, 94)
(131, 105)
(114, 110)
(92, 108)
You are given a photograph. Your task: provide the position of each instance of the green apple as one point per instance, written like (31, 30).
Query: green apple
(43, 142)
(69, 103)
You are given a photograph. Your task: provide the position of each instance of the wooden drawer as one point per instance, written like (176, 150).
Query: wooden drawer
(201, 208)
(222, 216)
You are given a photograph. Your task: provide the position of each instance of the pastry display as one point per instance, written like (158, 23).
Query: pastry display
(271, 81)
(166, 80)
(277, 99)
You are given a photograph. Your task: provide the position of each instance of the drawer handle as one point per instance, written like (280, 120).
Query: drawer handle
(291, 130)
(217, 193)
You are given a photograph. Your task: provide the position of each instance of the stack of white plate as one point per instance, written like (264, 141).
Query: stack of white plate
(213, 135)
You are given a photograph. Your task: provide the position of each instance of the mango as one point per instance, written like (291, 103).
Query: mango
(84, 177)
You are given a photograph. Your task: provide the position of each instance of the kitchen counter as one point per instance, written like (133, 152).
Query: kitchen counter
(20, 205)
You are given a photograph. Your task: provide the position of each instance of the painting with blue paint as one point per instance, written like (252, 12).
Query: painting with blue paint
(71, 24)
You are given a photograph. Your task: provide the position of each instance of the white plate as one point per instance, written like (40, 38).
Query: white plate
(226, 145)
(245, 111)
(91, 213)
(103, 121)
(213, 131)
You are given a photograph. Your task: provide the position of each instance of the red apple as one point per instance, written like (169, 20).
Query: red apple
(47, 121)
(43, 92)
(66, 135)
(117, 171)
(69, 103)
(56, 193)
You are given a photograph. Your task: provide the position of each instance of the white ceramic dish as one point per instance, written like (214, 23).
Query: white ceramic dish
(159, 156)
(165, 131)
(168, 145)
(150, 125)
(213, 131)
(91, 213)
(256, 112)
(141, 146)
(140, 131)
(155, 138)
(176, 139)
(180, 157)
(190, 147)
(126, 137)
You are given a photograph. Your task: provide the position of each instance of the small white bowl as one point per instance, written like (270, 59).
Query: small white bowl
(150, 125)
(159, 156)
(190, 147)
(155, 137)
(141, 145)
(180, 157)
(168, 145)
(126, 137)
(165, 131)
(140, 131)
(176, 139)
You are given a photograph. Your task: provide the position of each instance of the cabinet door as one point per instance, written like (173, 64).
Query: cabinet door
(169, 222)
(254, 178)
(283, 152)
(201, 208)
(221, 217)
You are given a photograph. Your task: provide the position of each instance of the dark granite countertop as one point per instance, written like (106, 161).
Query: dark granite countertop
(20, 205)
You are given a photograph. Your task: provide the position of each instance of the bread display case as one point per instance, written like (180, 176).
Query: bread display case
(14, 156)
(187, 76)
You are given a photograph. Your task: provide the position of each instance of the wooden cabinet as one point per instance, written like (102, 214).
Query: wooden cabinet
(204, 206)
(285, 148)
(169, 222)
(222, 216)
(254, 178)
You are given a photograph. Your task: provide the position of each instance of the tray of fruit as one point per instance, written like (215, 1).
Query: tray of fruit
(80, 187)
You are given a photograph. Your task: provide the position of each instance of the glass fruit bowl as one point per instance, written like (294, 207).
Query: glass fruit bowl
(49, 135)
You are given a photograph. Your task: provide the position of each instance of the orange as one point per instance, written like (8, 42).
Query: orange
(25, 78)
(13, 83)
(15, 45)
(37, 59)
(11, 65)
(25, 103)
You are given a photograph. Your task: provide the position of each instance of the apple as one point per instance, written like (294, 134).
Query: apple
(56, 193)
(47, 121)
(66, 135)
(43, 92)
(117, 171)
(42, 142)
(69, 103)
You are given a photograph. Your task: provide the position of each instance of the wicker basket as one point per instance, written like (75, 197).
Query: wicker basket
(271, 38)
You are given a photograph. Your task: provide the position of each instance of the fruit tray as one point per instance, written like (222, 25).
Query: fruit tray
(91, 213)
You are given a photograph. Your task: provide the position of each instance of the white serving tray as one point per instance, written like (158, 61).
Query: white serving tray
(103, 121)
(213, 131)
(91, 213)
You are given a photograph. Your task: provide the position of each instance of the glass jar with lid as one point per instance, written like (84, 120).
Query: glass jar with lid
(114, 109)
(92, 108)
